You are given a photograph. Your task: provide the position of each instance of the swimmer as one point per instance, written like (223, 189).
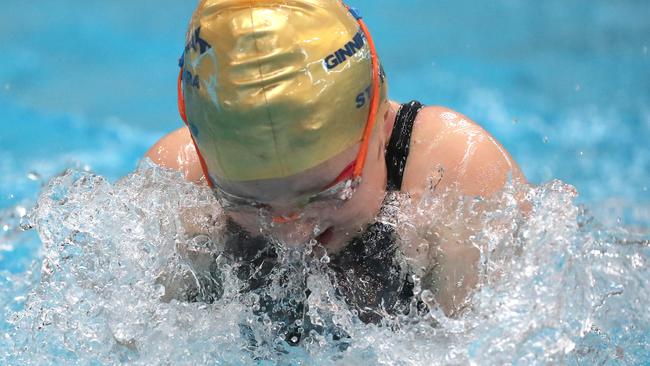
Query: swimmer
(289, 122)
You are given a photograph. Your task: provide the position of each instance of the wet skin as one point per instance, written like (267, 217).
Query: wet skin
(474, 164)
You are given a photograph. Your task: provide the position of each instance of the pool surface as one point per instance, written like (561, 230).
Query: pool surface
(564, 85)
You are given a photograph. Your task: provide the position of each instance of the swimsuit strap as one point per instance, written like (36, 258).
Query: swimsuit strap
(397, 150)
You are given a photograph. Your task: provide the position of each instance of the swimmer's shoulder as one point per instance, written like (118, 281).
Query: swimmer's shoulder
(176, 151)
(471, 159)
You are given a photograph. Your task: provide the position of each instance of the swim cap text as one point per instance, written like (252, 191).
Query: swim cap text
(197, 43)
(350, 49)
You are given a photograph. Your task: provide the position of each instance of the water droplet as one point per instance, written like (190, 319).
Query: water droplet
(325, 259)
(7, 86)
(5, 228)
(546, 139)
(581, 153)
(25, 225)
(21, 211)
(645, 50)
(637, 261)
(160, 290)
(33, 176)
(20, 298)
(427, 297)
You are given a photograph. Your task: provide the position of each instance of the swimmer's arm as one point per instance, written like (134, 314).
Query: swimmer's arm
(472, 159)
(474, 164)
(176, 151)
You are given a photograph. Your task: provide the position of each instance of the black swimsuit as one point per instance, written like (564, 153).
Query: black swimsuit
(369, 274)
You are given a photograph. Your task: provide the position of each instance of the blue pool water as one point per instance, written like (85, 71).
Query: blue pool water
(564, 85)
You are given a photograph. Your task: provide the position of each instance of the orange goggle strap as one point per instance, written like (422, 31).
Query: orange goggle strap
(181, 110)
(374, 99)
(370, 123)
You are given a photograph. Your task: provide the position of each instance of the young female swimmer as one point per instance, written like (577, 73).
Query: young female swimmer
(288, 121)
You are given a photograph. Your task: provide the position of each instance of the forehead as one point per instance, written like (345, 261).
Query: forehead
(310, 181)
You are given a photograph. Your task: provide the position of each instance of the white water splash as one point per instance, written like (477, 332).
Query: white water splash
(119, 261)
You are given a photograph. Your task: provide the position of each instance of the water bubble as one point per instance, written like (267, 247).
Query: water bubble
(5, 227)
(7, 86)
(297, 255)
(428, 297)
(578, 87)
(644, 49)
(267, 322)
(545, 139)
(325, 259)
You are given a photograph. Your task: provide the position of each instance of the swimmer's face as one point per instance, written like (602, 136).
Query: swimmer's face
(333, 218)
(294, 209)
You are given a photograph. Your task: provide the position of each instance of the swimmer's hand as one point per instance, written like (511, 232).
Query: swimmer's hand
(204, 230)
(193, 275)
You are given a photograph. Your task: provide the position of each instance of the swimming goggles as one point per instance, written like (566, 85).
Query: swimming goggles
(335, 195)
(342, 188)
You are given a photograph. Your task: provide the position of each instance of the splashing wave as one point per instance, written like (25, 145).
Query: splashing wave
(133, 272)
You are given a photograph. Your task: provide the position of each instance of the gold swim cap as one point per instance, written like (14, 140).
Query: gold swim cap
(274, 87)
